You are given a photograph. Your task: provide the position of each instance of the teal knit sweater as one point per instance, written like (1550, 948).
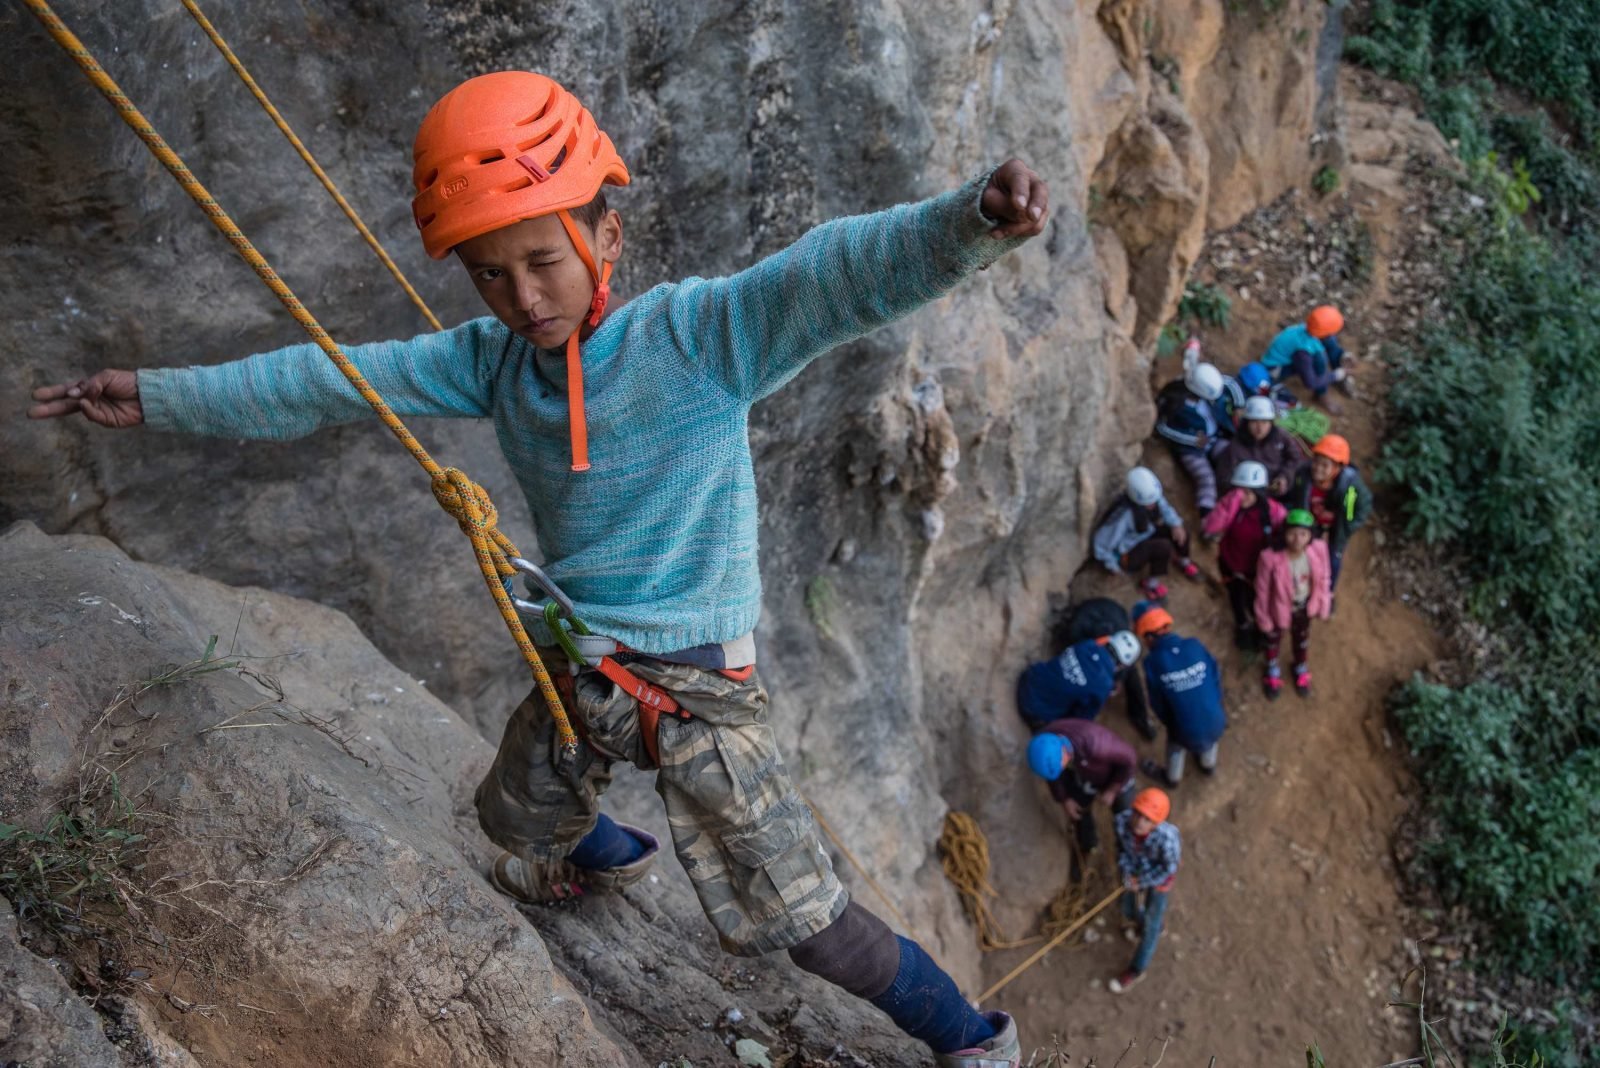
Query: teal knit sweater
(657, 542)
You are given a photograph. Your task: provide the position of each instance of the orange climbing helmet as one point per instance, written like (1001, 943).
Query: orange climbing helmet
(509, 146)
(504, 147)
(1152, 804)
(1324, 321)
(1333, 447)
(1153, 620)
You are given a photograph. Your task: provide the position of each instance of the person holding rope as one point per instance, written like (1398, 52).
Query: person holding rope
(1084, 762)
(1148, 852)
(628, 434)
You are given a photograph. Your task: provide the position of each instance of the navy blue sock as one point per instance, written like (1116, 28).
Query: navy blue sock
(607, 846)
(924, 1003)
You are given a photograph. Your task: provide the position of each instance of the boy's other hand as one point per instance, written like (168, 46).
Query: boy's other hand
(1018, 198)
(109, 398)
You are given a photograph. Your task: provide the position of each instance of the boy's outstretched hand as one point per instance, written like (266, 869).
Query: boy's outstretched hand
(109, 398)
(1018, 198)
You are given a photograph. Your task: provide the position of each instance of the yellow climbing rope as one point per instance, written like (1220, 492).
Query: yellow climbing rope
(964, 852)
(464, 499)
(305, 154)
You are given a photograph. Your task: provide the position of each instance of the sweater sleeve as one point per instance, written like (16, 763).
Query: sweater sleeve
(290, 392)
(754, 331)
(1107, 537)
(1169, 514)
(1221, 517)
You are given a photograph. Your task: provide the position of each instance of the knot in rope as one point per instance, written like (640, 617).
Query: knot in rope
(467, 502)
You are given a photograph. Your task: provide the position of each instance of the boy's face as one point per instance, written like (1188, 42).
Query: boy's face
(533, 280)
(1143, 825)
(1259, 428)
(1323, 470)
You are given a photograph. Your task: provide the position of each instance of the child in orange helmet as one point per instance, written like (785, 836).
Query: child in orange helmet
(1331, 488)
(1312, 351)
(1148, 854)
(627, 433)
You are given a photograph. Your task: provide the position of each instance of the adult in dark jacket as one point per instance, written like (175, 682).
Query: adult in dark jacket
(1185, 694)
(1262, 440)
(1077, 683)
(1100, 617)
(1084, 762)
(1331, 489)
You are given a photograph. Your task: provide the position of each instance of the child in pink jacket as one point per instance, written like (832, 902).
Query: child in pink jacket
(1293, 587)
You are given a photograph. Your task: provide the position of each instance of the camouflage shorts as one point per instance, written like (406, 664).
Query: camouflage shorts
(747, 840)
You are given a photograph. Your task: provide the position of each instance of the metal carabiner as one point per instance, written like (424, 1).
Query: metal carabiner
(558, 599)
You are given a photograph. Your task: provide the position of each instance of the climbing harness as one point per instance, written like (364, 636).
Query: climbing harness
(466, 501)
(305, 154)
(585, 649)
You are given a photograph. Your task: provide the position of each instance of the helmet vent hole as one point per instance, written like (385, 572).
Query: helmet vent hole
(433, 176)
(511, 187)
(425, 220)
(555, 164)
(491, 157)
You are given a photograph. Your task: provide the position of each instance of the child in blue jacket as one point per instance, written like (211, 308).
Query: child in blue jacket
(627, 433)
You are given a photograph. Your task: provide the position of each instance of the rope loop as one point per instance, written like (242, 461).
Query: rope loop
(465, 501)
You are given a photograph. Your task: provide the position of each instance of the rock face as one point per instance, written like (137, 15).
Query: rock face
(923, 490)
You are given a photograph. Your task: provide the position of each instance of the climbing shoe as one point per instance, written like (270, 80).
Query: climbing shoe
(1154, 589)
(1190, 569)
(1272, 682)
(550, 881)
(1124, 981)
(1302, 681)
(1004, 1050)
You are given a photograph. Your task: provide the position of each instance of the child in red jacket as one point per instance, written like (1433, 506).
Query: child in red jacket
(1293, 587)
(1246, 520)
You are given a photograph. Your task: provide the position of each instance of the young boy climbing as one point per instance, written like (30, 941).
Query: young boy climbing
(628, 435)
(1331, 489)
(1293, 587)
(1076, 684)
(1185, 693)
(1148, 852)
(1247, 521)
(1141, 530)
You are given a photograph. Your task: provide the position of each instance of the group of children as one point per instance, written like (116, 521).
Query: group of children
(1281, 527)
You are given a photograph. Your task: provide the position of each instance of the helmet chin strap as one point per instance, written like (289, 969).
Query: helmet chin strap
(601, 276)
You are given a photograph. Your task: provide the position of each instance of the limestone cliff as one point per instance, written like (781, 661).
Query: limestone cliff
(923, 490)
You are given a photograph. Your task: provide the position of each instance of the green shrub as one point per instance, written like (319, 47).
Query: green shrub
(1206, 304)
(1497, 429)
(1325, 181)
(1518, 803)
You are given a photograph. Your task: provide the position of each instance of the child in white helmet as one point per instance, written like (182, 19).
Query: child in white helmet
(1140, 532)
(1192, 417)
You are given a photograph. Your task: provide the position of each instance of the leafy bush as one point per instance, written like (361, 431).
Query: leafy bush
(1325, 181)
(1547, 48)
(1518, 801)
(1498, 429)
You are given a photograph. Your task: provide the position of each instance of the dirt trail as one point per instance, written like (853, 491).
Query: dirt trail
(1285, 923)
